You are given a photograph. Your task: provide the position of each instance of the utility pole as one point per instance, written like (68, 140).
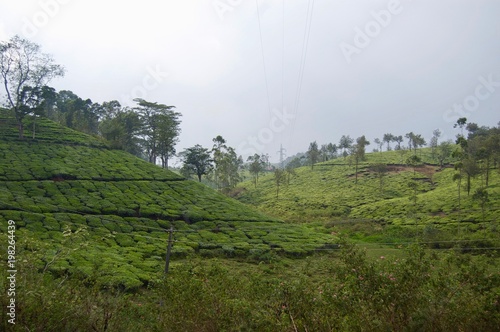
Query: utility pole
(282, 155)
(169, 248)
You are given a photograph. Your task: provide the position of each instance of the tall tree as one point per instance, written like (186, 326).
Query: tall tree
(323, 153)
(461, 123)
(279, 177)
(358, 152)
(313, 153)
(257, 165)
(399, 140)
(379, 144)
(481, 195)
(434, 142)
(24, 71)
(197, 160)
(122, 129)
(468, 154)
(415, 141)
(361, 143)
(381, 170)
(161, 128)
(227, 165)
(388, 138)
(218, 155)
(290, 171)
(77, 113)
(168, 136)
(332, 150)
(41, 100)
(443, 151)
(345, 144)
(471, 170)
(410, 136)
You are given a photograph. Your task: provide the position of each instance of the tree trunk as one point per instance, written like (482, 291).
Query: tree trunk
(356, 172)
(21, 129)
(487, 171)
(468, 185)
(459, 185)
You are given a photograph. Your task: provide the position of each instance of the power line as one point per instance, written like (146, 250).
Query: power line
(263, 59)
(283, 61)
(282, 155)
(305, 43)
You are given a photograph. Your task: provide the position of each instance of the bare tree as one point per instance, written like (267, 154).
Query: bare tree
(25, 71)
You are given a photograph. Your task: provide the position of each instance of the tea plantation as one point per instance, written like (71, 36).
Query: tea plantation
(343, 252)
(386, 207)
(87, 210)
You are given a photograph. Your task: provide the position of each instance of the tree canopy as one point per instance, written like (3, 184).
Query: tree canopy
(25, 71)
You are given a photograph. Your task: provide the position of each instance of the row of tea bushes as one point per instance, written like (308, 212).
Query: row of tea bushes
(129, 251)
(45, 131)
(184, 200)
(41, 161)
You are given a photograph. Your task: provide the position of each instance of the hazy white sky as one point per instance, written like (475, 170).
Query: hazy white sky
(370, 67)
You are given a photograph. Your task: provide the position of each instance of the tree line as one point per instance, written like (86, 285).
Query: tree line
(151, 130)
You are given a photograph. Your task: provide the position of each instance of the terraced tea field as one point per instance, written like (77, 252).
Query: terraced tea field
(83, 208)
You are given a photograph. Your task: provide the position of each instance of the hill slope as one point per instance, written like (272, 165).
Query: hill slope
(329, 192)
(82, 208)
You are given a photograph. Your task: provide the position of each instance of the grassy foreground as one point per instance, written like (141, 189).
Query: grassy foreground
(418, 290)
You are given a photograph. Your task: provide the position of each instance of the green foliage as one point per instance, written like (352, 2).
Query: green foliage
(127, 203)
(329, 193)
(346, 291)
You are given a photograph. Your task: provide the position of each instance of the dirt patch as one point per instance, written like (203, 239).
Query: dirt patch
(236, 192)
(396, 168)
(428, 170)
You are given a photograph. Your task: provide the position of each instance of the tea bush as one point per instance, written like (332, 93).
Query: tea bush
(346, 291)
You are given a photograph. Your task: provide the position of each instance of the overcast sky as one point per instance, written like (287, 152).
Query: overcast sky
(315, 70)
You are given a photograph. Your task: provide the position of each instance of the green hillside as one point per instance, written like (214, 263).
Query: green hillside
(85, 209)
(329, 193)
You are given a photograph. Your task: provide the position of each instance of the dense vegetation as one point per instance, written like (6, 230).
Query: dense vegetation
(445, 192)
(93, 224)
(342, 291)
(57, 186)
(356, 241)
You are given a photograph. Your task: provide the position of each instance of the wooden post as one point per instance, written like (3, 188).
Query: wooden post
(169, 247)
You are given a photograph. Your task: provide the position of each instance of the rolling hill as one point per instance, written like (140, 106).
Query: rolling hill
(85, 209)
(330, 193)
